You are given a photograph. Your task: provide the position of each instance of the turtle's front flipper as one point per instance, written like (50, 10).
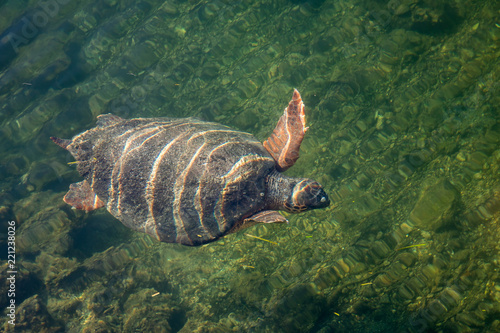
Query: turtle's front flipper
(266, 216)
(81, 196)
(284, 143)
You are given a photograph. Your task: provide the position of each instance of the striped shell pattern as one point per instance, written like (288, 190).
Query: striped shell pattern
(179, 180)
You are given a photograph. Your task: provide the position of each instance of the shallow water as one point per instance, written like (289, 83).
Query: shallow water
(402, 102)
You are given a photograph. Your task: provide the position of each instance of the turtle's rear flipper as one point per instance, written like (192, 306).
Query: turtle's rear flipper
(81, 196)
(284, 143)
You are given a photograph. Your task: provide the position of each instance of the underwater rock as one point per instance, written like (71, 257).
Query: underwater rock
(298, 309)
(14, 165)
(42, 173)
(94, 325)
(27, 278)
(401, 7)
(32, 316)
(435, 205)
(246, 120)
(148, 319)
(433, 17)
(26, 208)
(53, 268)
(143, 55)
(45, 230)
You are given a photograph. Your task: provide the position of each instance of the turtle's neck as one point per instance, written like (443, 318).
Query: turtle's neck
(279, 190)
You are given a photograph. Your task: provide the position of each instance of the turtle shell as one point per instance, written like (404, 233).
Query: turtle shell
(179, 180)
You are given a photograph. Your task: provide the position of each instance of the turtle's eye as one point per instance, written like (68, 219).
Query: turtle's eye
(323, 199)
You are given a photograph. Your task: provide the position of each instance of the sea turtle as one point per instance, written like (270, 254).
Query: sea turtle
(190, 181)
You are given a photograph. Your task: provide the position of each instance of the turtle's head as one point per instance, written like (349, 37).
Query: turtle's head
(306, 194)
(294, 195)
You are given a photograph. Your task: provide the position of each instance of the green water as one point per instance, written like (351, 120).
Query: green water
(402, 100)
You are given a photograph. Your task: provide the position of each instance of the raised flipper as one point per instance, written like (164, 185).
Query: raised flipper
(284, 143)
(266, 216)
(81, 196)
